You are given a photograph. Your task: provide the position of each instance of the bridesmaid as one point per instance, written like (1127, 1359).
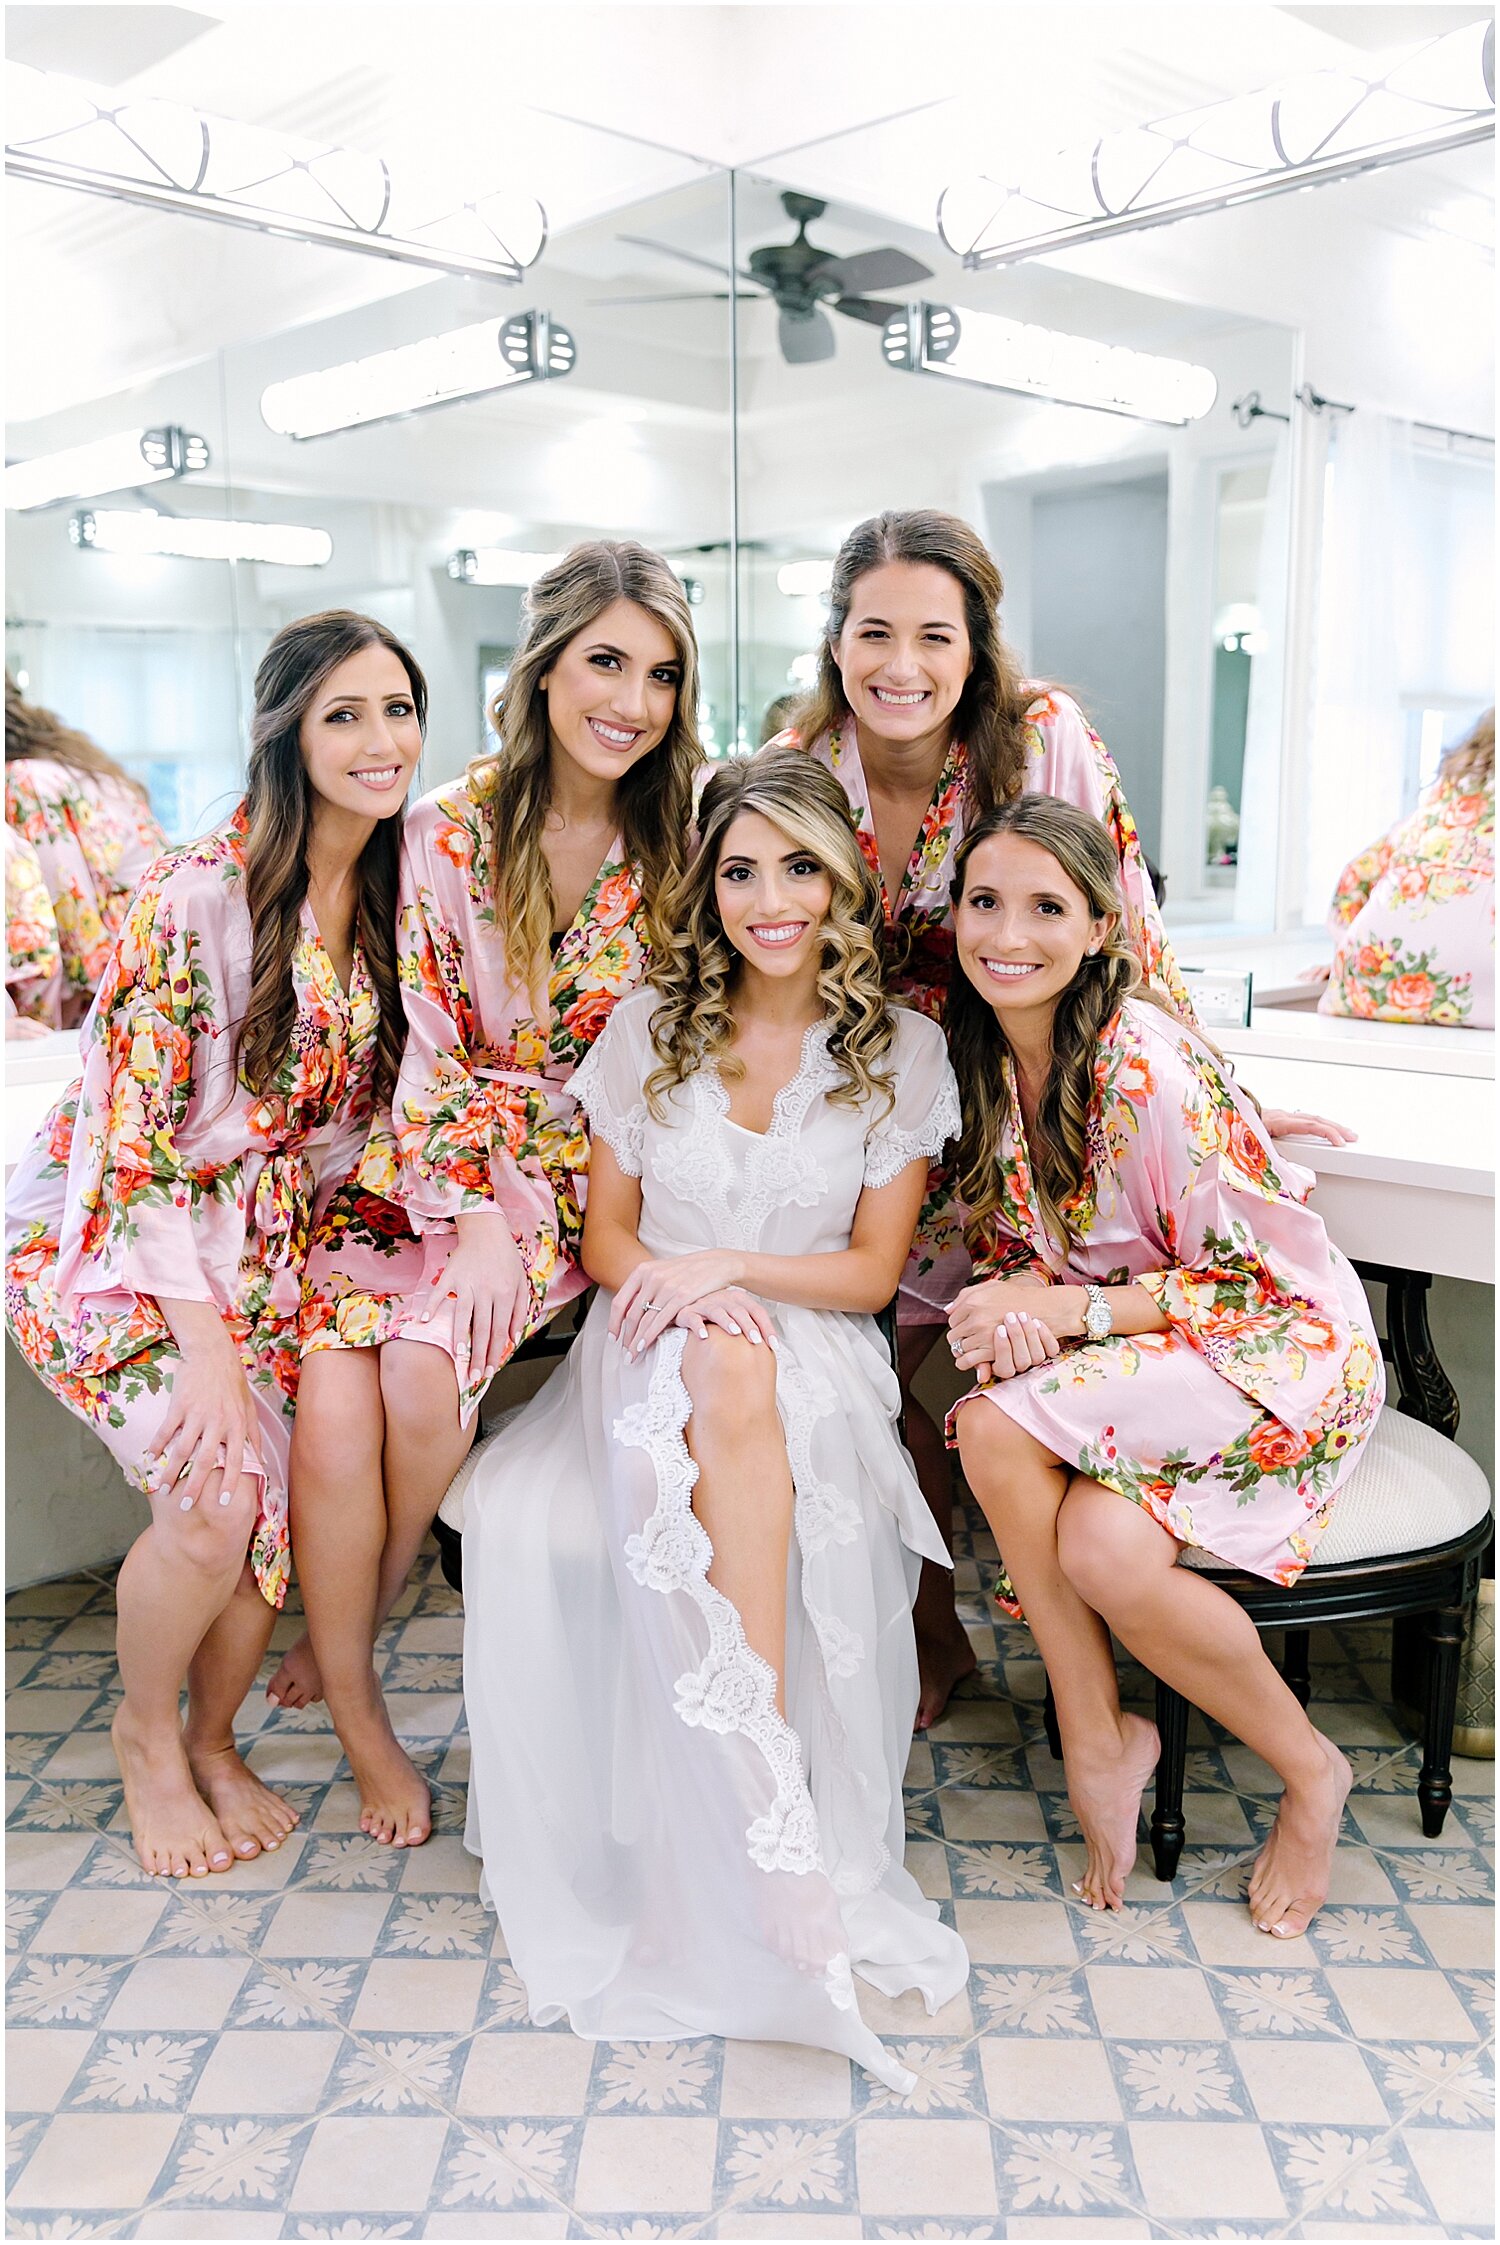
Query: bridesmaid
(921, 711)
(246, 1026)
(92, 831)
(527, 894)
(1171, 1352)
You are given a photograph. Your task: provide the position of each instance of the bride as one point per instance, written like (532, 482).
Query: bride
(688, 1657)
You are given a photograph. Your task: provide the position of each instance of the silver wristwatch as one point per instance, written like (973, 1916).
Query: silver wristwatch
(1098, 1317)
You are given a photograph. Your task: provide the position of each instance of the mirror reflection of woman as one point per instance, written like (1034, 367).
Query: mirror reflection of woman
(1171, 1351)
(689, 1663)
(247, 1025)
(922, 713)
(33, 953)
(93, 833)
(527, 892)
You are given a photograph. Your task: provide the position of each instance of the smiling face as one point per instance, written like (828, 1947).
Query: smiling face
(904, 653)
(359, 735)
(1022, 926)
(612, 692)
(773, 897)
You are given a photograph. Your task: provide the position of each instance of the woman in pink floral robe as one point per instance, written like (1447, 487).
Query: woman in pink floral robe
(33, 957)
(92, 831)
(1161, 1319)
(1413, 917)
(526, 891)
(158, 1228)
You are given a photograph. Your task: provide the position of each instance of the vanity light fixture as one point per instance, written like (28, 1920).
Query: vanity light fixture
(1039, 362)
(1323, 125)
(801, 580)
(465, 362)
(169, 156)
(499, 565)
(118, 530)
(118, 463)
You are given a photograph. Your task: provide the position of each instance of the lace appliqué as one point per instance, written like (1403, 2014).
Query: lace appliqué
(625, 1135)
(733, 1689)
(779, 1172)
(888, 1150)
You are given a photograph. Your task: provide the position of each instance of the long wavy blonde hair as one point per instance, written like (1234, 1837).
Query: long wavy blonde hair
(513, 784)
(697, 967)
(1058, 1139)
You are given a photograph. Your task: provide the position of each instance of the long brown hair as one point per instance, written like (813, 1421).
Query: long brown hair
(1058, 1139)
(278, 816)
(33, 731)
(1472, 763)
(697, 965)
(991, 714)
(513, 785)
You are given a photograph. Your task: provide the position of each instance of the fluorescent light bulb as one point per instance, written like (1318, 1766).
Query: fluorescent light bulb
(1040, 362)
(800, 580)
(291, 545)
(499, 565)
(465, 362)
(119, 463)
(1321, 126)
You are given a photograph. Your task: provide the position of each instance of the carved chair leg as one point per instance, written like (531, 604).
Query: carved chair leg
(1427, 1393)
(1445, 1636)
(1168, 1830)
(1295, 1664)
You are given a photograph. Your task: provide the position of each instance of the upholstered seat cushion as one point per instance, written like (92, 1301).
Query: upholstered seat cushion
(1413, 1488)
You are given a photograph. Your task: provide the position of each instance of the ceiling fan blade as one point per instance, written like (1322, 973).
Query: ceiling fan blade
(868, 308)
(807, 339)
(872, 269)
(684, 296)
(688, 257)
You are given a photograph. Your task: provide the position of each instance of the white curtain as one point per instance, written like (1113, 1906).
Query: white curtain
(1356, 766)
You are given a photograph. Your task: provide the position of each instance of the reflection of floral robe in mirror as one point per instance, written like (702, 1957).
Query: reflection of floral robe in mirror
(1413, 917)
(1066, 758)
(159, 1174)
(95, 838)
(1237, 1426)
(33, 960)
(482, 1117)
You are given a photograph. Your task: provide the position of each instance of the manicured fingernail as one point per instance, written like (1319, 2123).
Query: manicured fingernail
(733, 1328)
(1078, 1886)
(225, 1495)
(186, 1505)
(755, 1337)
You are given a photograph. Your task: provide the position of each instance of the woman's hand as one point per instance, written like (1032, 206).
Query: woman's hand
(657, 1290)
(1318, 973)
(979, 1309)
(22, 1025)
(486, 1280)
(1017, 1344)
(732, 1310)
(209, 1436)
(1290, 1122)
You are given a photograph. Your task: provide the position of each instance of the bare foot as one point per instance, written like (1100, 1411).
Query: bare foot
(395, 1806)
(174, 1829)
(1106, 1796)
(944, 1659)
(297, 1682)
(1290, 1881)
(250, 1815)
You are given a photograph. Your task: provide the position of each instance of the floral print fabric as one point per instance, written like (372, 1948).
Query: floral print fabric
(160, 1175)
(94, 838)
(1413, 917)
(483, 1116)
(1064, 757)
(33, 958)
(1236, 1427)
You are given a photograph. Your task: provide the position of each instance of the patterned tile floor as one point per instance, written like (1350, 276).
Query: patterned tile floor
(330, 2042)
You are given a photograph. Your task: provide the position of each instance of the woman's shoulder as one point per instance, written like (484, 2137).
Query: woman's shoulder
(211, 862)
(1053, 711)
(1174, 1055)
(916, 1035)
(41, 780)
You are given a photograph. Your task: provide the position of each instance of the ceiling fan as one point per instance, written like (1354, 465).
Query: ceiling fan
(800, 280)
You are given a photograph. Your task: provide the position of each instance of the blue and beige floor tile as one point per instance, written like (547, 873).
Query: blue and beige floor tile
(330, 2042)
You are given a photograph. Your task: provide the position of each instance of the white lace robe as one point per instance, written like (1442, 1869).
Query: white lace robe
(668, 1856)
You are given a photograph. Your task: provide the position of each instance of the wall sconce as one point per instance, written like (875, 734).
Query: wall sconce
(121, 463)
(466, 362)
(1324, 125)
(171, 157)
(290, 545)
(1040, 362)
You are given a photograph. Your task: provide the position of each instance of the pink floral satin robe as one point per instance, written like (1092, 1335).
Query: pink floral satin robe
(1236, 1427)
(33, 957)
(95, 839)
(483, 1116)
(160, 1175)
(1066, 758)
(1413, 917)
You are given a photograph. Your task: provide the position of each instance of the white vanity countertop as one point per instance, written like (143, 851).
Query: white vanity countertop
(1275, 961)
(1278, 1032)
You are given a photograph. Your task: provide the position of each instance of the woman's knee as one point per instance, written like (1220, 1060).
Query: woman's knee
(1107, 1547)
(993, 1449)
(419, 1388)
(339, 1422)
(732, 1382)
(213, 1535)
